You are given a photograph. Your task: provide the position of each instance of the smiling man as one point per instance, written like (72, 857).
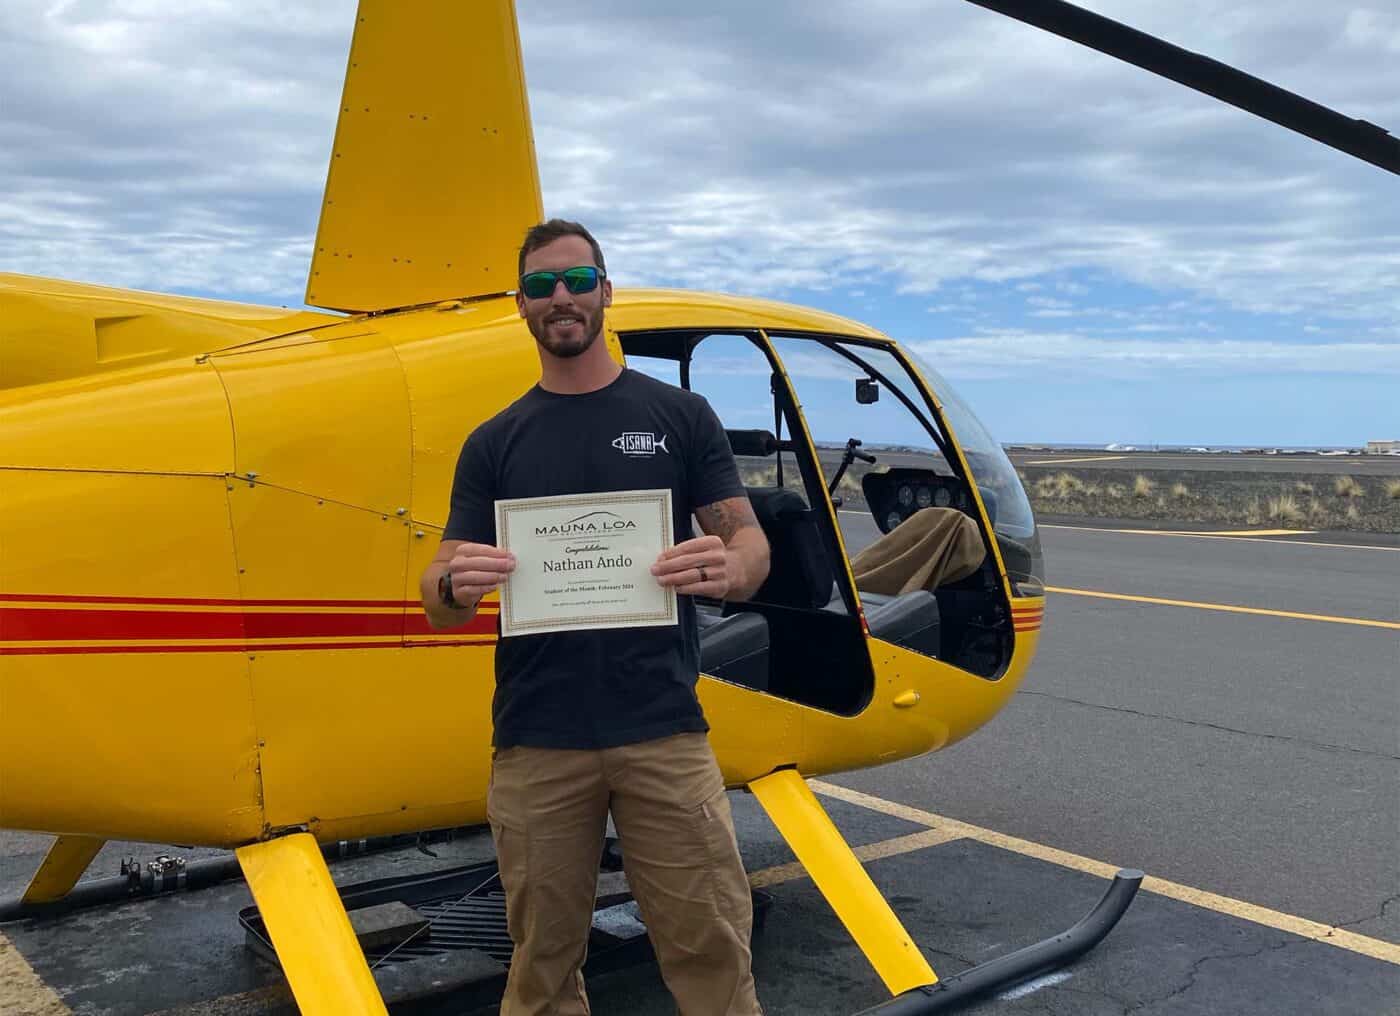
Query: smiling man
(592, 721)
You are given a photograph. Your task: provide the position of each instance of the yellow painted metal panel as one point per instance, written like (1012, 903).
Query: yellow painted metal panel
(456, 380)
(170, 418)
(752, 733)
(63, 865)
(341, 564)
(352, 725)
(309, 928)
(843, 881)
(638, 309)
(378, 737)
(326, 417)
(125, 706)
(50, 329)
(432, 179)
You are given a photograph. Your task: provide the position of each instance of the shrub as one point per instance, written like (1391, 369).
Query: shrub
(1304, 487)
(1143, 487)
(1180, 491)
(1284, 508)
(1392, 489)
(1346, 486)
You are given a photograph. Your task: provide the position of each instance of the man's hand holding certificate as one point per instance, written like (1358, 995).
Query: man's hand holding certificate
(586, 561)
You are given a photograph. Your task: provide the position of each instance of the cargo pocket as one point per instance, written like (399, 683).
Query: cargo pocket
(508, 837)
(728, 881)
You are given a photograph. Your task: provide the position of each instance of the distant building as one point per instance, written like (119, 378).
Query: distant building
(1382, 447)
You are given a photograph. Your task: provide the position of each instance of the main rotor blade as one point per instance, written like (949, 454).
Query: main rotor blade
(1360, 138)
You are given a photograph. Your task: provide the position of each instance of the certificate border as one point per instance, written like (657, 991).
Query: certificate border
(668, 614)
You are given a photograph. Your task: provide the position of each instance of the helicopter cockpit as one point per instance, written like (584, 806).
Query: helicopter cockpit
(827, 505)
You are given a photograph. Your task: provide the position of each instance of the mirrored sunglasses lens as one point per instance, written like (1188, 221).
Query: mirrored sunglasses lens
(581, 280)
(538, 285)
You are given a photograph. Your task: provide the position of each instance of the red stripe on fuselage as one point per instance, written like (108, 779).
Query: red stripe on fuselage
(68, 624)
(258, 648)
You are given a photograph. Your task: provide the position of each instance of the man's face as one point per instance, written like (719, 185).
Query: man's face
(564, 323)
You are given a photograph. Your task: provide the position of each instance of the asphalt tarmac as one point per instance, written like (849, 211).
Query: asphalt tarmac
(1248, 761)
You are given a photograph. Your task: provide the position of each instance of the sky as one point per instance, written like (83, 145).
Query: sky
(1088, 253)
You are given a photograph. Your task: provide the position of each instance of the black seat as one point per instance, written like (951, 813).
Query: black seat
(734, 648)
(799, 573)
(910, 620)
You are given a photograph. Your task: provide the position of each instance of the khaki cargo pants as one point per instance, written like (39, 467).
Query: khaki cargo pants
(548, 810)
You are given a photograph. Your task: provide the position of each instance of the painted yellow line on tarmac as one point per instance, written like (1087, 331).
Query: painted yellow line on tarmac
(781, 873)
(1255, 536)
(22, 991)
(1060, 462)
(1228, 608)
(1375, 948)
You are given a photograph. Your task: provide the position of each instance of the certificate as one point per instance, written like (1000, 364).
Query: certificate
(583, 561)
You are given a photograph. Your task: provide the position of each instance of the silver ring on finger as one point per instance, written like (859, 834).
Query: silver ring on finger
(704, 575)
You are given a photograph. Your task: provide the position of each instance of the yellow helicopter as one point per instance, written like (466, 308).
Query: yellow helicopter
(213, 519)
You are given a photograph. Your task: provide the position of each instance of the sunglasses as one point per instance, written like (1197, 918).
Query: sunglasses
(583, 279)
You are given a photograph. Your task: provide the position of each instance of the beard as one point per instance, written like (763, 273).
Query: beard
(577, 342)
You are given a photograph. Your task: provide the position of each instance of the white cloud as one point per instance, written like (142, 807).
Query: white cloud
(887, 145)
(1005, 353)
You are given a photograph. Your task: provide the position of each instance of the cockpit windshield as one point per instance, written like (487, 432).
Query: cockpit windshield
(1012, 518)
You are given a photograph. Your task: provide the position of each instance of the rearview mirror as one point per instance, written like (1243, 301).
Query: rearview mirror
(867, 391)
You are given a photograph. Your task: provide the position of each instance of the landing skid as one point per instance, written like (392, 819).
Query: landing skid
(866, 914)
(1023, 965)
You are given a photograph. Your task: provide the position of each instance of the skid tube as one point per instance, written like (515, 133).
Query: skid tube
(1024, 964)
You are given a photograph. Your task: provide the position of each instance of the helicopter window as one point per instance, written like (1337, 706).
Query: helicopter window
(889, 464)
(663, 370)
(996, 478)
(797, 637)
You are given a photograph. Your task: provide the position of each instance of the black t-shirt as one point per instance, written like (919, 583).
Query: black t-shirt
(596, 689)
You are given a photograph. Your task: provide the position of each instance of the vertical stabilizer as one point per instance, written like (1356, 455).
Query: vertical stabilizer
(433, 180)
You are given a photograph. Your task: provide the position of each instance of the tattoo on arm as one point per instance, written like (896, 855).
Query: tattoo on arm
(727, 517)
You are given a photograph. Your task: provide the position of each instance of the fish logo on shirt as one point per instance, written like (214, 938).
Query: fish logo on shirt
(640, 443)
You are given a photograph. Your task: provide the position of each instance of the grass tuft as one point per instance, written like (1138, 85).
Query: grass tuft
(1180, 491)
(1285, 508)
(1143, 487)
(1347, 486)
(1392, 489)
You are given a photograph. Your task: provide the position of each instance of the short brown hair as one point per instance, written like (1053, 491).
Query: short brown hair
(555, 229)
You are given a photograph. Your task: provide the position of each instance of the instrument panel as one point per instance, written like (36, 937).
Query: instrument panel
(895, 495)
